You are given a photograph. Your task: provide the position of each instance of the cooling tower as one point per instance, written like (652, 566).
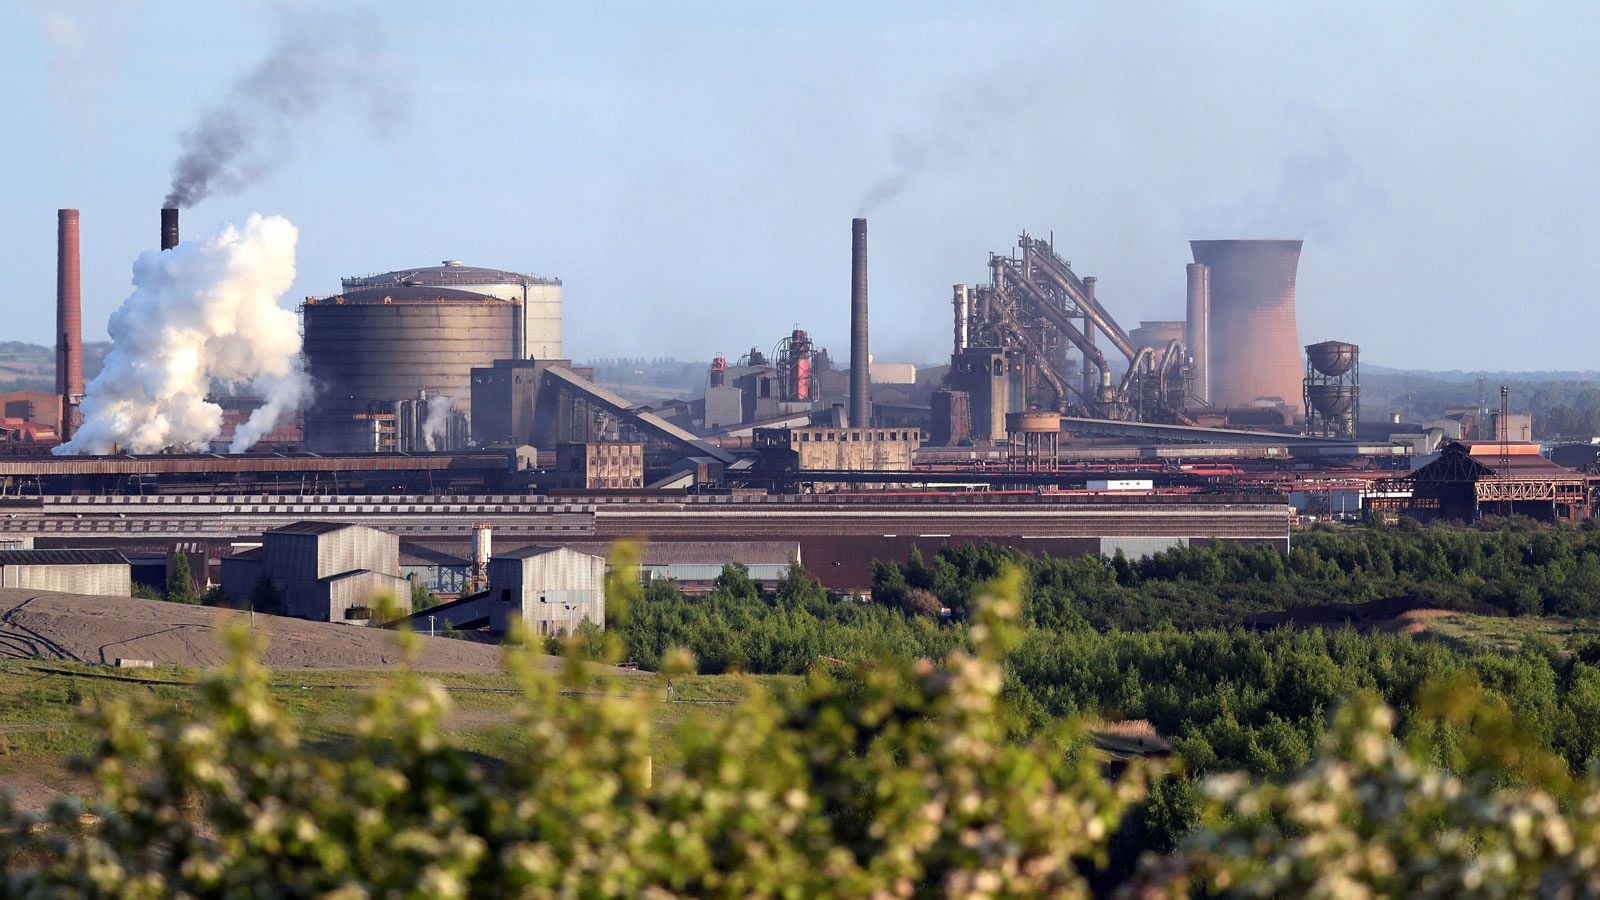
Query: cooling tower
(1254, 345)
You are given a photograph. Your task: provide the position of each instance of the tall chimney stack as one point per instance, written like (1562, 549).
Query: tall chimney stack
(69, 322)
(860, 396)
(169, 228)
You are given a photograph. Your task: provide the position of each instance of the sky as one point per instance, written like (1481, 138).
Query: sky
(689, 169)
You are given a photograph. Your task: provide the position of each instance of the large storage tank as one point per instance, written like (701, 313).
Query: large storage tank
(540, 325)
(1255, 345)
(367, 349)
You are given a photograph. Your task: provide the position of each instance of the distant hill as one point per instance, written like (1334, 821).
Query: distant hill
(1495, 378)
(32, 367)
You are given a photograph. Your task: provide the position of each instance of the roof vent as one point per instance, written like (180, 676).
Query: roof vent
(453, 263)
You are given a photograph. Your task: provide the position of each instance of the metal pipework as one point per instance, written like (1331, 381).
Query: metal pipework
(1197, 327)
(860, 410)
(1038, 254)
(169, 228)
(963, 303)
(1089, 349)
(69, 322)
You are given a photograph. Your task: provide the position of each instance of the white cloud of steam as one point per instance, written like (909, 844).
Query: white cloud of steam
(437, 426)
(204, 310)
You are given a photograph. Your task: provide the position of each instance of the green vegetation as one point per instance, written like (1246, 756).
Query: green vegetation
(1563, 404)
(422, 598)
(893, 776)
(180, 581)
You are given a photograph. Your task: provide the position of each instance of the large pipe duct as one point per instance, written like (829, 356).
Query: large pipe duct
(1089, 350)
(69, 322)
(860, 398)
(1254, 343)
(169, 228)
(1197, 328)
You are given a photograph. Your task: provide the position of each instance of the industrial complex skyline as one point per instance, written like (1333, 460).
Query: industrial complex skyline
(708, 154)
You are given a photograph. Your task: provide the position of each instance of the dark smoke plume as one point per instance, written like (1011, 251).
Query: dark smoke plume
(319, 57)
(968, 123)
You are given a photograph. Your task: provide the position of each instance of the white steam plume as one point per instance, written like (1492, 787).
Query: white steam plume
(204, 310)
(437, 425)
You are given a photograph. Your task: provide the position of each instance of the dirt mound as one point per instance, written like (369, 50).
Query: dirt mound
(1406, 613)
(44, 625)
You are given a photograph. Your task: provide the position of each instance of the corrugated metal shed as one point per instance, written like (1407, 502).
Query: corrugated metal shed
(61, 558)
(311, 528)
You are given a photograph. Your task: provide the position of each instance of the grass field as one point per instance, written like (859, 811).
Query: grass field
(41, 727)
(1504, 633)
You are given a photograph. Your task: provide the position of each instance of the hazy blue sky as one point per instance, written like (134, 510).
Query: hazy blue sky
(690, 169)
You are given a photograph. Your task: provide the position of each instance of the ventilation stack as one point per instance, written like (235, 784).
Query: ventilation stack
(1197, 329)
(169, 228)
(1254, 343)
(860, 397)
(69, 322)
(962, 299)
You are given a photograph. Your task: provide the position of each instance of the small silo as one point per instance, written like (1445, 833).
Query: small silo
(367, 350)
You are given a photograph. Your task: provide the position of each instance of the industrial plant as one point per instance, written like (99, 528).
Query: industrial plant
(443, 401)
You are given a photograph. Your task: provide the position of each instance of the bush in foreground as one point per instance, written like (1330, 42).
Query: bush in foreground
(900, 778)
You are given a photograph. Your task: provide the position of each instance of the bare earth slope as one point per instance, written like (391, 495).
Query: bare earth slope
(46, 625)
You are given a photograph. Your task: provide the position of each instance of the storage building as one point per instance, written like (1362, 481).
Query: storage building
(96, 572)
(326, 571)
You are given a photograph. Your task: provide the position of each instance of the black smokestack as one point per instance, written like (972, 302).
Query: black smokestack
(860, 398)
(169, 228)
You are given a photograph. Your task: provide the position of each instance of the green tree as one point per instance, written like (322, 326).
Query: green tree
(180, 581)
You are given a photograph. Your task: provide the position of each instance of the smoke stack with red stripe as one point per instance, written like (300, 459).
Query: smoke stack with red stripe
(69, 322)
(169, 227)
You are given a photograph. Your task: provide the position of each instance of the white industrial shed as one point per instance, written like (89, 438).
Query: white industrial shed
(327, 571)
(695, 565)
(552, 589)
(95, 572)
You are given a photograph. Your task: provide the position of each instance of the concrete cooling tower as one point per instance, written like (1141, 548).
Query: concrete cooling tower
(1255, 347)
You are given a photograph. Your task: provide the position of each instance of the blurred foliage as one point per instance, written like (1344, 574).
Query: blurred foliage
(887, 779)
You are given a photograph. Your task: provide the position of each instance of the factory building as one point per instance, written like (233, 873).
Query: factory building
(593, 465)
(551, 589)
(1472, 479)
(992, 382)
(694, 566)
(389, 342)
(512, 406)
(1254, 344)
(325, 571)
(837, 449)
(96, 572)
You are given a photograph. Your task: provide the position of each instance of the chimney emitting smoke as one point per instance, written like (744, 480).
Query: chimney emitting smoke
(69, 322)
(860, 398)
(169, 228)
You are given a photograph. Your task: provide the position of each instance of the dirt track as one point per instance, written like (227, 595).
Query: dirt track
(45, 625)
